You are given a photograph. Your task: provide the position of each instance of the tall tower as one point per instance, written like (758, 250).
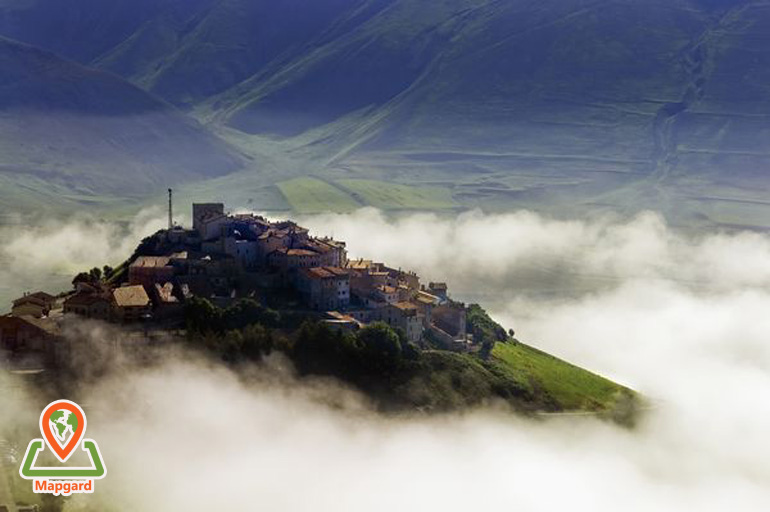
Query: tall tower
(170, 210)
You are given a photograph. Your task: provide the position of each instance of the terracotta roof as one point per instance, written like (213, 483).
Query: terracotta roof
(427, 298)
(406, 306)
(301, 252)
(44, 324)
(386, 289)
(30, 300)
(37, 297)
(131, 296)
(85, 299)
(324, 272)
(360, 264)
(151, 261)
(322, 246)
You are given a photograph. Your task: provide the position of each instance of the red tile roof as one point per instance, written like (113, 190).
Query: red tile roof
(324, 272)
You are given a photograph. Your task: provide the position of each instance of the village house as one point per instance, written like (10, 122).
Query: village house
(27, 342)
(438, 290)
(37, 304)
(405, 316)
(425, 303)
(324, 288)
(386, 293)
(148, 270)
(287, 260)
(131, 303)
(449, 325)
(202, 211)
(89, 305)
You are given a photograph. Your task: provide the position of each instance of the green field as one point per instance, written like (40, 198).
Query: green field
(569, 387)
(395, 196)
(311, 195)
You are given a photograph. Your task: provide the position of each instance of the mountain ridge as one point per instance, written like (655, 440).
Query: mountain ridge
(64, 128)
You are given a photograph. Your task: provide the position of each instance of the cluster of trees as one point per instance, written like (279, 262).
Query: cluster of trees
(485, 330)
(241, 331)
(250, 343)
(247, 331)
(375, 352)
(94, 276)
(201, 316)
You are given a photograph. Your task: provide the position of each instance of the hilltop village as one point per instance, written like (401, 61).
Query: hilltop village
(224, 258)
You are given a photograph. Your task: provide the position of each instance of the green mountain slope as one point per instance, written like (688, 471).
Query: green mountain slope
(71, 135)
(637, 105)
(568, 105)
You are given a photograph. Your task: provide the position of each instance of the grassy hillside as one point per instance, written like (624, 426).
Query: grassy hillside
(395, 196)
(529, 380)
(311, 195)
(556, 381)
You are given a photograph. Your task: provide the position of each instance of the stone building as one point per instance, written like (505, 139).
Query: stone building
(89, 305)
(148, 270)
(131, 303)
(324, 288)
(405, 316)
(27, 342)
(37, 304)
(202, 211)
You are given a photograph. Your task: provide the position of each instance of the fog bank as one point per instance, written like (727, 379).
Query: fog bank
(48, 254)
(682, 319)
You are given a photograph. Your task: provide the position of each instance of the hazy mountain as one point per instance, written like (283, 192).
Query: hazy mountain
(624, 103)
(182, 50)
(74, 134)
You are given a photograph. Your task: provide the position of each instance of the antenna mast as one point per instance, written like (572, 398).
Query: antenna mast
(170, 210)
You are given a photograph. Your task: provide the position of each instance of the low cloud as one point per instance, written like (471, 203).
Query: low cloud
(680, 317)
(524, 252)
(49, 253)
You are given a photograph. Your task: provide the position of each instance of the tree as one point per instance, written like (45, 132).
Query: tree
(201, 316)
(257, 341)
(381, 347)
(248, 312)
(95, 274)
(486, 349)
(243, 313)
(270, 318)
(82, 277)
(483, 328)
